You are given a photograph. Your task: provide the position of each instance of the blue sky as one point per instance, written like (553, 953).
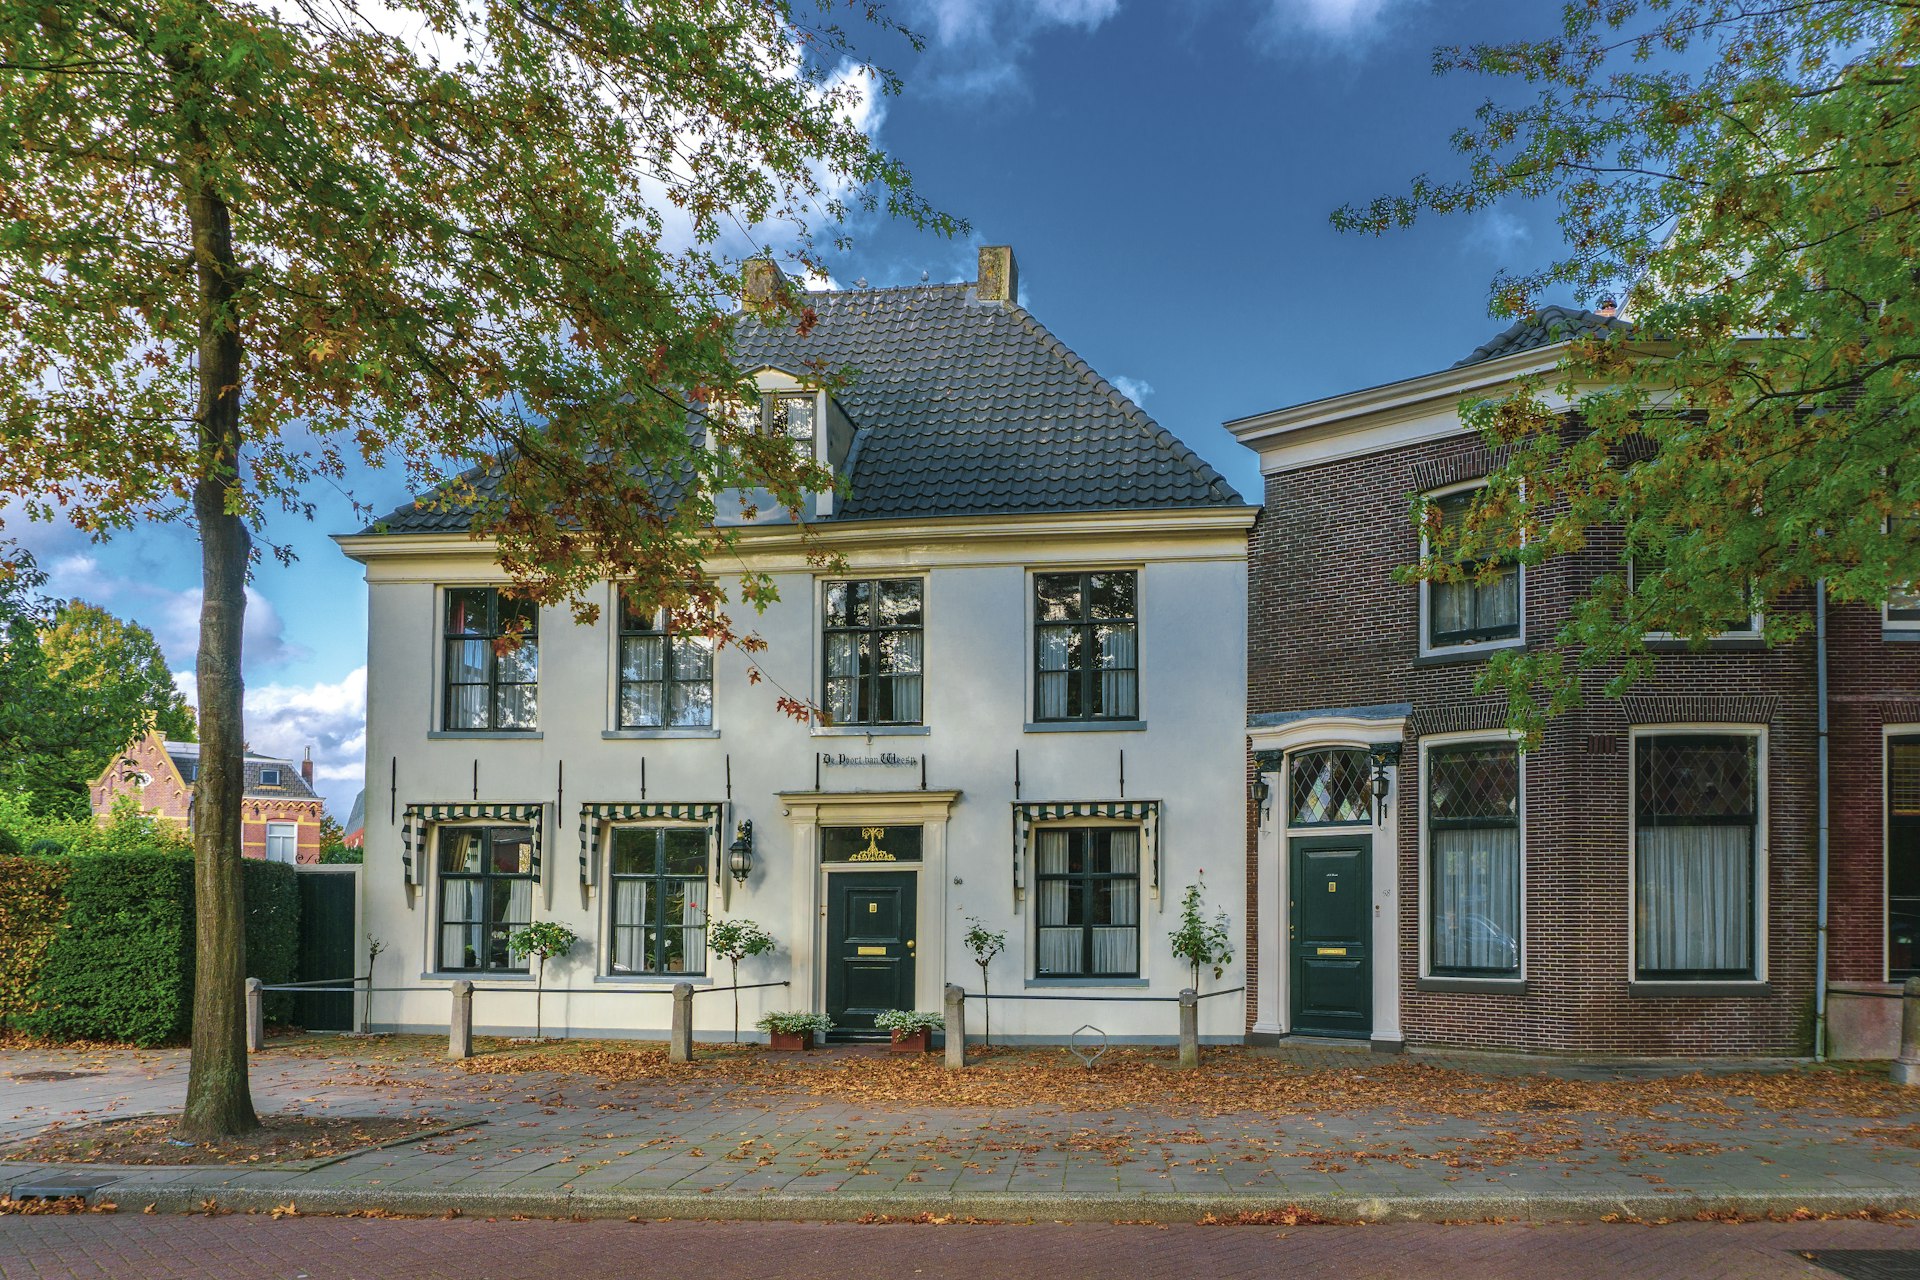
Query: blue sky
(1164, 172)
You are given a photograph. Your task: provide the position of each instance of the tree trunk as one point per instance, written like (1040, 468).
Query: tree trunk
(219, 1100)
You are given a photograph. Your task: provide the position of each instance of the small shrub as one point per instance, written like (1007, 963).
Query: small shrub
(908, 1020)
(46, 847)
(795, 1023)
(9, 847)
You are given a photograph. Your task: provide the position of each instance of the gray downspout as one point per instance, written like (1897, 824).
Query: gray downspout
(1820, 925)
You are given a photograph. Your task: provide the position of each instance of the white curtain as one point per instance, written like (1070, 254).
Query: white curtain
(1475, 914)
(1055, 647)
(843, 682)
(463, 936)
(693, 927)
(630, 914)
(903, 666)
(1119, 676)
(1695, 899)
(1116, 944)
(642, 668)
(1059, 942)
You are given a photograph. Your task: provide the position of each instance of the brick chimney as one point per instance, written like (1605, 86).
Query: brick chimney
(306, 768)
(1608, 308)
(999, 279)
(762, 283)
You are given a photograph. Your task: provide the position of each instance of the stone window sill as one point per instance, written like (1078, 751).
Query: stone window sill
(1473, 986)
(616, 735)
(1088, 982)
(871, 731)
(1660, 990)
(510, 735)
(1087, 726)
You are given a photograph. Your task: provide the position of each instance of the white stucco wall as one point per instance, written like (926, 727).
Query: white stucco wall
(977, 700)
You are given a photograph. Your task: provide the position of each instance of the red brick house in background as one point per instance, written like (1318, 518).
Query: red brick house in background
(280, 812)
(1648, 879)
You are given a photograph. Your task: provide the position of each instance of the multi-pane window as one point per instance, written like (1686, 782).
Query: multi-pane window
(486, 894)
(1329, 788)
(659, 908)
(283, 842)
(1643, 570)
(872, 643)
(1086, 646)
(492, 660)
(1473, 859)
(1903, 857)
(789, 414)
(1903, 601)
(666, 675)
(1696, 833)
(1088, 914)
(1482, 606)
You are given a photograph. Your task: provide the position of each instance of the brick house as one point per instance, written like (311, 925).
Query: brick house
(280, 812)
(1644, 881)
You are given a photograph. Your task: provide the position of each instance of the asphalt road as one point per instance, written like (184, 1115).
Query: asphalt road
(131, 1246)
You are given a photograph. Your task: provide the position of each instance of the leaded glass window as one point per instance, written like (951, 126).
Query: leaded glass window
(492, 661)
(659, 912)
(1086, 646)
(1903, 857)
(1087, 917)
(1696, 826)
(486, 894)
(1474, 609)
(666, 674)
(1329, 787)
(873, 636)
(1473, 858)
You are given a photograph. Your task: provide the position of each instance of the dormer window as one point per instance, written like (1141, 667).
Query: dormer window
(791, 414)
(269, 777)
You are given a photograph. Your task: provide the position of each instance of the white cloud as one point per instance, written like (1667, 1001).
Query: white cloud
(1134, 389)
(1497, 232)
(176, 624)
(1334, 19)
(285, 719)
(975, 48)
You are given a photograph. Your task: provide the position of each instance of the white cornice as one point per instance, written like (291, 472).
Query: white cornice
(1200, 524)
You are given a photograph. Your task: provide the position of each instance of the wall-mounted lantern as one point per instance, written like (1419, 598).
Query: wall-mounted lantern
(1384, 757)
(740, 853)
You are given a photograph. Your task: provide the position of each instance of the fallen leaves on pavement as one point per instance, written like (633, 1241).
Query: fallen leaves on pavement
(146, 1140)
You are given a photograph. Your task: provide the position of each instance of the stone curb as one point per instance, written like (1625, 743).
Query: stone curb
(181, 1196)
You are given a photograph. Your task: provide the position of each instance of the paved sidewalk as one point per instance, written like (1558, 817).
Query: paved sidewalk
(702, 1144)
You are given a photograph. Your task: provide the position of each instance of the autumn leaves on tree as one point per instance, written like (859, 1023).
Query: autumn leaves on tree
(246, 246)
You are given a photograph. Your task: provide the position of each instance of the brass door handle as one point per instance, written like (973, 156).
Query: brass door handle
(909, 944)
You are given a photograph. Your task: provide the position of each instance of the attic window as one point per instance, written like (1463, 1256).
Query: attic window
(790, 414)
(269, 777)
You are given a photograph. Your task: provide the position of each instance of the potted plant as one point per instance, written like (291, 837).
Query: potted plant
(794, 1032)
(912, 1030)
(734, 940)
(542, 939)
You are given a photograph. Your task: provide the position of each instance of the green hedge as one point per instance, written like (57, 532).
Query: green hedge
(121, 967)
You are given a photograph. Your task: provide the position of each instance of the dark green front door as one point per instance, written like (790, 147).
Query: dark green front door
(326, 946)
(1329, 930)
(870, 942)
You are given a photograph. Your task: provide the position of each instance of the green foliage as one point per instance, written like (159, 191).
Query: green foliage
(737, 938)
(32, 904)
(127, 830)
(983, 942)
(1202, 943)
(121, 966)
(795, 1023)
(342, 855)
(908, 1020)
(9, 845)
(542, 938)
(76, 686)
(1743, 179)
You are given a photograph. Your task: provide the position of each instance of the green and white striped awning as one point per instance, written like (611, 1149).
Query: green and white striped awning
(594, 816)
(1028, 813)
(418, 817)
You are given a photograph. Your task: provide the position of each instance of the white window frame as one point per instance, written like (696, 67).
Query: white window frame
(1422, 858)
(288, 832)
(1755, 623)
(818, 647)
(610, 728)
(1429, 650)
(1029, 655)
(1761, 854)
(1888, 732)
(605, 971)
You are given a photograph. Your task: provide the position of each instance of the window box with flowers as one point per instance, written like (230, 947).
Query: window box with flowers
(912, 1030)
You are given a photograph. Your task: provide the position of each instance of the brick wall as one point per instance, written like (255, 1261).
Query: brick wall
(1331, 628)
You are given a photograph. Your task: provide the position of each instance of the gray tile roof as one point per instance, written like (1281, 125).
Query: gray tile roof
(962, 407)
(186, 758)
(1543, 328)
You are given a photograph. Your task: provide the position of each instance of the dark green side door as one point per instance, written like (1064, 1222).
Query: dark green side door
(326, 948)
(870, 943)
(1329, 930)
